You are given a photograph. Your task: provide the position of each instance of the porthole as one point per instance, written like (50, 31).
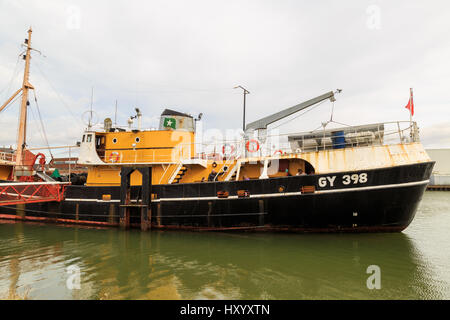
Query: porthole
(114, 140)
(137, 139)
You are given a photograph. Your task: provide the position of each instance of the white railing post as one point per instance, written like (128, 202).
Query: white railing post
(399, 132)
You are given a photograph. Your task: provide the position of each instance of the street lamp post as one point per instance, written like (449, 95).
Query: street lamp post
(245, 93)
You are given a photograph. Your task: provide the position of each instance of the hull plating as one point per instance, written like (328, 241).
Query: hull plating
(378, 200)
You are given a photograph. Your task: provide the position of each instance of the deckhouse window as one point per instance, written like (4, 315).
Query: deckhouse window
(84, 136)
(89, 138)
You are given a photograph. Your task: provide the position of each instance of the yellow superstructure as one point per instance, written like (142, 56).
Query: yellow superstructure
(145, 146)
(176, 157)
(173, 156)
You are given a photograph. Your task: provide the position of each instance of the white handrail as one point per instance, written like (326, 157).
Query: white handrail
(387, 133)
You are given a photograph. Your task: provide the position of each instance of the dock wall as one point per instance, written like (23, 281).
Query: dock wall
(440, 178)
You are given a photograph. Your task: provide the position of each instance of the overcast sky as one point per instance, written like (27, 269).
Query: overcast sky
(188, 55)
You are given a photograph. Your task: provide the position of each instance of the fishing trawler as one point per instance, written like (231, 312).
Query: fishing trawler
(366, 178)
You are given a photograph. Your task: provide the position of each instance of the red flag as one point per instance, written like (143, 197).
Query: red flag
(410, 105)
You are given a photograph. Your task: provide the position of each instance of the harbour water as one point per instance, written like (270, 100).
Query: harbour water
(45, 262)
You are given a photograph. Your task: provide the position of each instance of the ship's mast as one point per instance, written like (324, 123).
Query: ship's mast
(21, 134)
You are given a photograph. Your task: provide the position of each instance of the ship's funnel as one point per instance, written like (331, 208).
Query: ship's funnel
(107, 124)
(174, 120)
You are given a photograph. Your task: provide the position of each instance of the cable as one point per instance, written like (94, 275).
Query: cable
(347, 125)
(40, 131)
(42, 125)
(59, 96)
(14, 75)
(324, 124)
(300, 114)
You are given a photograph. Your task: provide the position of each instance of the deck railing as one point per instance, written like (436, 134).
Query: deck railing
(386, 133)
(7, 157)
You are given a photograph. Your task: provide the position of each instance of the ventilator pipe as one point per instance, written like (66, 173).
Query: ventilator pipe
(139, 118)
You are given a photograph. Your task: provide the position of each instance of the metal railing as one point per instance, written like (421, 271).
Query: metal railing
(7, 157)
(387, 133)
(174, 155)
(31, 192)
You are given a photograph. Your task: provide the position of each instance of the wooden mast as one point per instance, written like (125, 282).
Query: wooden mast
(21, 134)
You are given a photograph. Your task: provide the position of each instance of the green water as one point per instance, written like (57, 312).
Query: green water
(117, 264)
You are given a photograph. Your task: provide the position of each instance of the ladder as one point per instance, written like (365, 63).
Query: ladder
(180, 172)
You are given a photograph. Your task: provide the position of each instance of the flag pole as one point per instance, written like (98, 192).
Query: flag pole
(410, 111)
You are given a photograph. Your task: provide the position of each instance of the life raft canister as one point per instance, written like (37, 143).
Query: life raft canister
(254, 143)
(114, 157)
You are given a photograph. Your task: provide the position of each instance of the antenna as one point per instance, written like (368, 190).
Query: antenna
(90, 117)
(115, 116)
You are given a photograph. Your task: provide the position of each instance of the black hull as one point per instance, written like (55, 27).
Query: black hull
(378, 200)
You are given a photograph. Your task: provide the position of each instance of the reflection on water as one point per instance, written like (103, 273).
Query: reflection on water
(117, 264)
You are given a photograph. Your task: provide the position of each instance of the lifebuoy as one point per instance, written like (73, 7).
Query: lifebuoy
(278, 151)
(114, 157)
(224, 148)
(254, 142)
(41, 160)
(214, 164)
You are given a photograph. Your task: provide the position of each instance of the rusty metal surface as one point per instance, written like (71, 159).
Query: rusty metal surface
(361, 158)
